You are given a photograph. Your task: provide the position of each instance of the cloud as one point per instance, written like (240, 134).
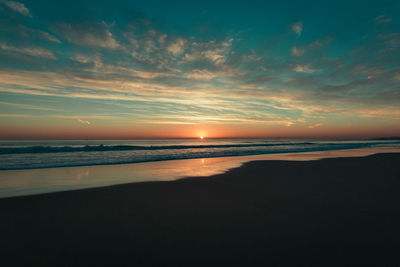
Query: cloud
(297, 51)
(161, 38)
(203, 105)
(304, 68)
(216, 52)
(92, 34)
(320, 42)
(315, 125)
(26, 106)
(47, 36)
(82, 59)
(215, 56)
(379, 113)
(392, 40)
(75, 117)
(370, 72)
(15, 115)
(18, 7)
(396, 76)
(382, 19)
(25, 32)
(34, 52)
(217, 118)
(208, 80)
(201, 75)
(177, 47)
(84, 122)
(297, 28)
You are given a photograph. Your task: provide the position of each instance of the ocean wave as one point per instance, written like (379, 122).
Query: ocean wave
(87, 148)
(105, 157)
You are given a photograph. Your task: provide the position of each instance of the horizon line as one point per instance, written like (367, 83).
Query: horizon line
(208, 138)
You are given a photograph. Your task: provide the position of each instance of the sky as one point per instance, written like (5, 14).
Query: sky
(173, 69)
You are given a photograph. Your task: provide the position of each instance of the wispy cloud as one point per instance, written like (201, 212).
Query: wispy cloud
(297, 51)
(297, 28)
(47, 36)
(217, 118)
(29, 33)
(301, 50)
(315, 125)
(35, 52)
(382, 19)
(396, 76)
(369, 72)
(201, 75)
(392, 40)
(304, 68)
(17, 7)
(216, 52)
(84, 122)
(15, 115)
(87, 34)
(177, 47)
(82, 58)
(86, 116)
(27, 106)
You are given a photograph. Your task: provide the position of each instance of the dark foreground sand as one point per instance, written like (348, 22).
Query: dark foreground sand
(330, 212)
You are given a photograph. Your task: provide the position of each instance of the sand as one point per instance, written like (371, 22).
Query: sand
(329, 212)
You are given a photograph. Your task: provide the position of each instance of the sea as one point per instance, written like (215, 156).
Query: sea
(33, 154)
(43, 166)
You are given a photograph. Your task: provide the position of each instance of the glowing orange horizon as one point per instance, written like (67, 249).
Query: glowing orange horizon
(94, 131)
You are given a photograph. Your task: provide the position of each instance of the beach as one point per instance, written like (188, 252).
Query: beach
(199, 133)
(327, 212)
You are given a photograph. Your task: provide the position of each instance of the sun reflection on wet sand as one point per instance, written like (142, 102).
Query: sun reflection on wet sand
(25, 182)
(82, 174)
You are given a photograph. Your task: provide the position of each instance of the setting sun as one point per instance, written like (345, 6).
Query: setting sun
(201, 137)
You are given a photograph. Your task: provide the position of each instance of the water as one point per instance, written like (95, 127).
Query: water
(28, 181)
(33, 154)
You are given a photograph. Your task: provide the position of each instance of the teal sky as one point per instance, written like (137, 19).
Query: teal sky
(126, 69)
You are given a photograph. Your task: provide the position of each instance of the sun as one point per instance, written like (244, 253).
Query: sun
(201, 134)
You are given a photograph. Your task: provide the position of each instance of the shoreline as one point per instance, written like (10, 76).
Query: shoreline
(14, 183)
(328, 212)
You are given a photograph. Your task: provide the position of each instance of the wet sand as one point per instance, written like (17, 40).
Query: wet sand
(328, 212)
